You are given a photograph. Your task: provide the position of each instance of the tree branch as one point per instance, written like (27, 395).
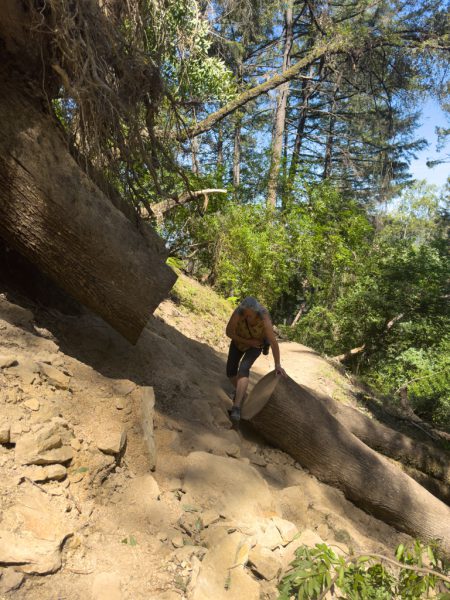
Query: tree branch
(160, 208)
(335, 44)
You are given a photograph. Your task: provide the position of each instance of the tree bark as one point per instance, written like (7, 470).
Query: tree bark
(299, 314)
(237, 154)
(220, 151)
(435, 486)
(280, 114)
(307, 94)
(329, 147)
(391, 443)
(298, 422)
(54, 215)
(347, 355)
(194, 156)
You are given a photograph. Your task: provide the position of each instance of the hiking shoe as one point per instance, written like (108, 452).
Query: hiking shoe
(235, 413)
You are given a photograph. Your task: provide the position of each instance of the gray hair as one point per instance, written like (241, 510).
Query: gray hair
(251, 303)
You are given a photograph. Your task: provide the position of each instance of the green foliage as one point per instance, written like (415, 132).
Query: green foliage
(185, 36)
(393, 300)
(250, 250)
(251, 236)
(316, 571)
(200, 300)
(176, 263)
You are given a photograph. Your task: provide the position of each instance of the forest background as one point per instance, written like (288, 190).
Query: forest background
(270, 143)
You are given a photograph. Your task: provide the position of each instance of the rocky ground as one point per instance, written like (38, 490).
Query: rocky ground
(121, 477)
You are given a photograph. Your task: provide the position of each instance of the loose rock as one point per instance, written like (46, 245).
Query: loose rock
(124, 387)
(306, 538)
(220, 417)
(32, 404)
(287, 530)
(55, 376)
(4, 433)
(15, 432)
(42, 447)
(75, 444)
(41, 474)
(209, 517)
(271, 538)
(264, 562)
(222, 575)
(233, 450)
(258, 460)
(29, 554)
(26, 370)
(120, 403)
(177, 541)
(10, 580)
(111, 442)
(7, 361)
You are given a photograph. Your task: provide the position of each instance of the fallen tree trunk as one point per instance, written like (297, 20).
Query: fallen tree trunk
(295, 420)
(54, 215)
(391, 443)
(436, 487)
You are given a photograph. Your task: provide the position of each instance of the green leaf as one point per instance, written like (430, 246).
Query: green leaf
(431, 556)
(190, 508)
(399, 552)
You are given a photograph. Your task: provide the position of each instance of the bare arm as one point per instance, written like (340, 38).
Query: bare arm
(270, 336)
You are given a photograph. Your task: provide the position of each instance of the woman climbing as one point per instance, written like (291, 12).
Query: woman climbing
(251, 331)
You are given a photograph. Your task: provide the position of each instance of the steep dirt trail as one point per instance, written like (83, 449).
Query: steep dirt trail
(307, 367)
(169, 535)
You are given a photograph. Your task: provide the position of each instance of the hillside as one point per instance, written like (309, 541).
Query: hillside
(83, 513)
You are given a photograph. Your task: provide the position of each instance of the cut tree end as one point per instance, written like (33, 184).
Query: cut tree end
(259, 396)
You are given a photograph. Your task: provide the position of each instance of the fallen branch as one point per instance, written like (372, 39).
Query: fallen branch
(349, 354)
(359, 349)
(161, 208)
(299, 314)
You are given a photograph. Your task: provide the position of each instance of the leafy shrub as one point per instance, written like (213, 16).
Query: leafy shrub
(319, 570)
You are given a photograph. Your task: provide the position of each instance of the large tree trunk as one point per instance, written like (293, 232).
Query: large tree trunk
(55, 216)
(280, 113)
(308, 92)
(237, 154)
(329, 147)
(292, 418)
(391, 443)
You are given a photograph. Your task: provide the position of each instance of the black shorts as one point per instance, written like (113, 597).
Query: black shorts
(236, 366)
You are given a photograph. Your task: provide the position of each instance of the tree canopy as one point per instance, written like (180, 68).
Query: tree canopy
(305, 113)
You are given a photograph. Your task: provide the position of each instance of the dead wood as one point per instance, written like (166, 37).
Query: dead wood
(294, 419)
(159, 209)
(425, 457)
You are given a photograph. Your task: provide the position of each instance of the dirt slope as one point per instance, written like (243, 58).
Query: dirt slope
(217, 505)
